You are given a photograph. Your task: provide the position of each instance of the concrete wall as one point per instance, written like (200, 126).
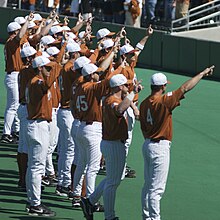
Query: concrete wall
(162, 51)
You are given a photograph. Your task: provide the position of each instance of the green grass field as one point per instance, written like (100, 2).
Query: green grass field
(193, 184)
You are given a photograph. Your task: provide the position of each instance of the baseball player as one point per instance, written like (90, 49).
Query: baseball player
(65, 120)
(114, 136)
(25, 75)
(156, 125)
(131, 54)
(87, 97)
(13, 66)
(38, 135)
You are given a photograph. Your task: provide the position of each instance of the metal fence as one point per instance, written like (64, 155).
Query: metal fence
(206, 15)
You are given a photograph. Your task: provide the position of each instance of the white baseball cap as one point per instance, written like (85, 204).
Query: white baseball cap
(73, 47)
(52, 51)
(55, 29)
(158, 79)
(80, 62)
(47, 40)
(89, 69)
(127, 48)
(45, 54)
(117, 80)
(66, 28)
(28, 51)
(31, 24)
(37, 17)
(71, 35)
(81, 34)
(54, 24)
(103, 33)
(13, 26)
(20, 20)
(107, 43)
(40, 61)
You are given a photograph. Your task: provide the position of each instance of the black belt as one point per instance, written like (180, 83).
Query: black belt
(23, 103)
(156, 140)
(89, 122)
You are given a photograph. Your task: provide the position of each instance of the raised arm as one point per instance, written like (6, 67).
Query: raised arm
(23, 30)
(190, 84)
(140, 45)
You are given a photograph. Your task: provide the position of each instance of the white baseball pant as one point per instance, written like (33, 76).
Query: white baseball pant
(156, 166)
(11, 118)
(88, 139)
(38, 142)
(74, 133)
(131, 121)
(54, 133)
(66, 147)
(114, 153)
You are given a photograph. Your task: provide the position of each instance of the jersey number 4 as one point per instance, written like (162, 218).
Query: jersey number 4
(81, 103)
(149, 117)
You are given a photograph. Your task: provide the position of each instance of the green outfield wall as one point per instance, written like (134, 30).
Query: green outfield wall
(163, 51)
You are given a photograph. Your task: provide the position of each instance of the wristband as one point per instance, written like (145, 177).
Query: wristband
(140, 46)
(130, 96)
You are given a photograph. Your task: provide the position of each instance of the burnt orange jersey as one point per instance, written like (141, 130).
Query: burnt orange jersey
(73, 108)
(55, 89)
(114, 127)
(26, 74)
(129, 73)
(88, 100)
(12, 55)
(94, 56)
(66, 79)
(156, 115)
(39, 96)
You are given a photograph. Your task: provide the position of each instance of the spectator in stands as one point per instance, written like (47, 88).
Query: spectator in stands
(48, 6)
(169, 10)
(182, 7)
(28, 4)
(133, 12)
(118, 11)
(74, 10)
(85, 9)
(3, 3)
(150, 10)
(107, 11)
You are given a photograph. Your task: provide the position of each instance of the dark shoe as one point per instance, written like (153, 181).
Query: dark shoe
(49, 180)
(129, 173)
(102, 170)
(27, 207)
(63, 191)
(41, 210)
(45, 181)
(98, 207)
(76, 202)
(87, 208)
(6, 139)
(15, 136)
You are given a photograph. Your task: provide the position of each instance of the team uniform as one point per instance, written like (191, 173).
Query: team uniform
(87, 98)
(129, 73)
(13, 67)
(65, 120)
(115, 134)
(156, 125)
(54, 130)
(25, 75)
(38, 134)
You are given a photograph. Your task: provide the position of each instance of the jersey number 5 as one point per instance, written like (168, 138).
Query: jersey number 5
(149, 117)
(81, 103)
